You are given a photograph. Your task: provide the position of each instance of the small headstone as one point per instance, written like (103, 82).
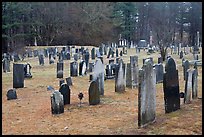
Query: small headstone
(60, 69)
(73, 69)
(94, 95)
(61, 81)
(11, 94)
(41, 59)
(159, 72)
(57, 103)
(65, 91)
(69, 81)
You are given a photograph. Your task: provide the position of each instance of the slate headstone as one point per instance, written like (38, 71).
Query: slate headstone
(60, 66)
(69, 81)
(73, 69)
(57, 103)
(94, 95)
(18, 75)
(65, 91)
(11, 94)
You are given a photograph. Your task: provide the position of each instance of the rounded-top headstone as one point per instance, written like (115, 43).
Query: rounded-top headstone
(65, 91)
(11, 94)
(170, 65)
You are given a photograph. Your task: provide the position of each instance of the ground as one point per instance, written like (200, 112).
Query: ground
(116, 114)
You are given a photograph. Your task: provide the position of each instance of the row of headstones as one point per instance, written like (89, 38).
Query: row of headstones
(147, 90)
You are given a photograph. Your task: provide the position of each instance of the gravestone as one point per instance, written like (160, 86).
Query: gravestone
(195, 84)
(94, 94)
(93, 54)
(16, 57)
(51, 59)
(35, 52)
(116, 52)
(188, 87)
(65, 91)
(159, 72)
(76, 57)
(160, 60)
(27, 71)
(18, 75)
(132, 72)
(98, 75)
(68, 56)
(186, 66)
(87, 59)
(147, 94)
(6, 63)
(69, 81)
(120, 78)
(11, 94)
(73, 69)
(171, 87)
(60, 69)
(46, 53)
(82, 68)
(121, 53)
(41, 59)
(91, 66)
(57, 103)
(181, 55)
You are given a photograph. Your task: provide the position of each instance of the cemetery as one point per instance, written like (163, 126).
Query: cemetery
(105, 68)
(108, 106)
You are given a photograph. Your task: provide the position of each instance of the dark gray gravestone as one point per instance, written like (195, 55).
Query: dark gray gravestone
(69, 81)
(160, 60)
(121, 53)
(18, 75)
(120, 78)
(91, 66)
(11, 94)
(76, 57)
(51, 59)
(46, 53)
(41, 59)
(159, 72)
(65, 91)
(188, 87)
(82, 68)
(68, 56)
(171, 87)
(73, 69)
(87, 59)
(57, 103)
(181, 55)
(147, 94)
(195, 84)
(35, 52)
(116, 52)
(60, 69)
(186, 66)
(61, 81)
(94, 95)
(16, 57)
(93, 54)
(132, 72)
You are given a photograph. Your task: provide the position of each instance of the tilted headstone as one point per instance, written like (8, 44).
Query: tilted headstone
(11, 94)
(120, 77)
(60, 66)
(195, 84)
(186, 66)
(94, 94)
(171, 87)
(18, 75)
(147, 94)
(98, 75)
(159, 72)
(69, 81)
(65, 91)
(188, 87)
(57, 103)
(73, 69)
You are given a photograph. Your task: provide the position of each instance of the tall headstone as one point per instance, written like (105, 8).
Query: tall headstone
(186, 66)
(171, 87)
(57, 103)
(120, 78)
(65, 91)
(147, 94)
(195, 84)
(60, 66)
(73, 69)
(98, 75)
(18, 75)
(94, 94)
(188, 86)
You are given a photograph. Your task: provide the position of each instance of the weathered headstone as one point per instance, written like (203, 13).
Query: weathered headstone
(73, 69)
(120, 78)
(93, 54)
(171, 87)
(147, 94)
(186, 66)
(6, 63)
(65, 91)
(94, 94)
(188, 87)
(60, 66)
(82, 68)
(41, 59)
(159, 72)
(57, 103)
(69, 81)
(181, 55)
(195, 84)
(27, 71)
(18, 75)
(11, 94)
(160, 60)
(91, 66)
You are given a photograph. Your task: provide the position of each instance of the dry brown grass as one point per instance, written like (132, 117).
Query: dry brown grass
(116, 114)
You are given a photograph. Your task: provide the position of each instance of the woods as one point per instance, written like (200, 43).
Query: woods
(93, 23)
